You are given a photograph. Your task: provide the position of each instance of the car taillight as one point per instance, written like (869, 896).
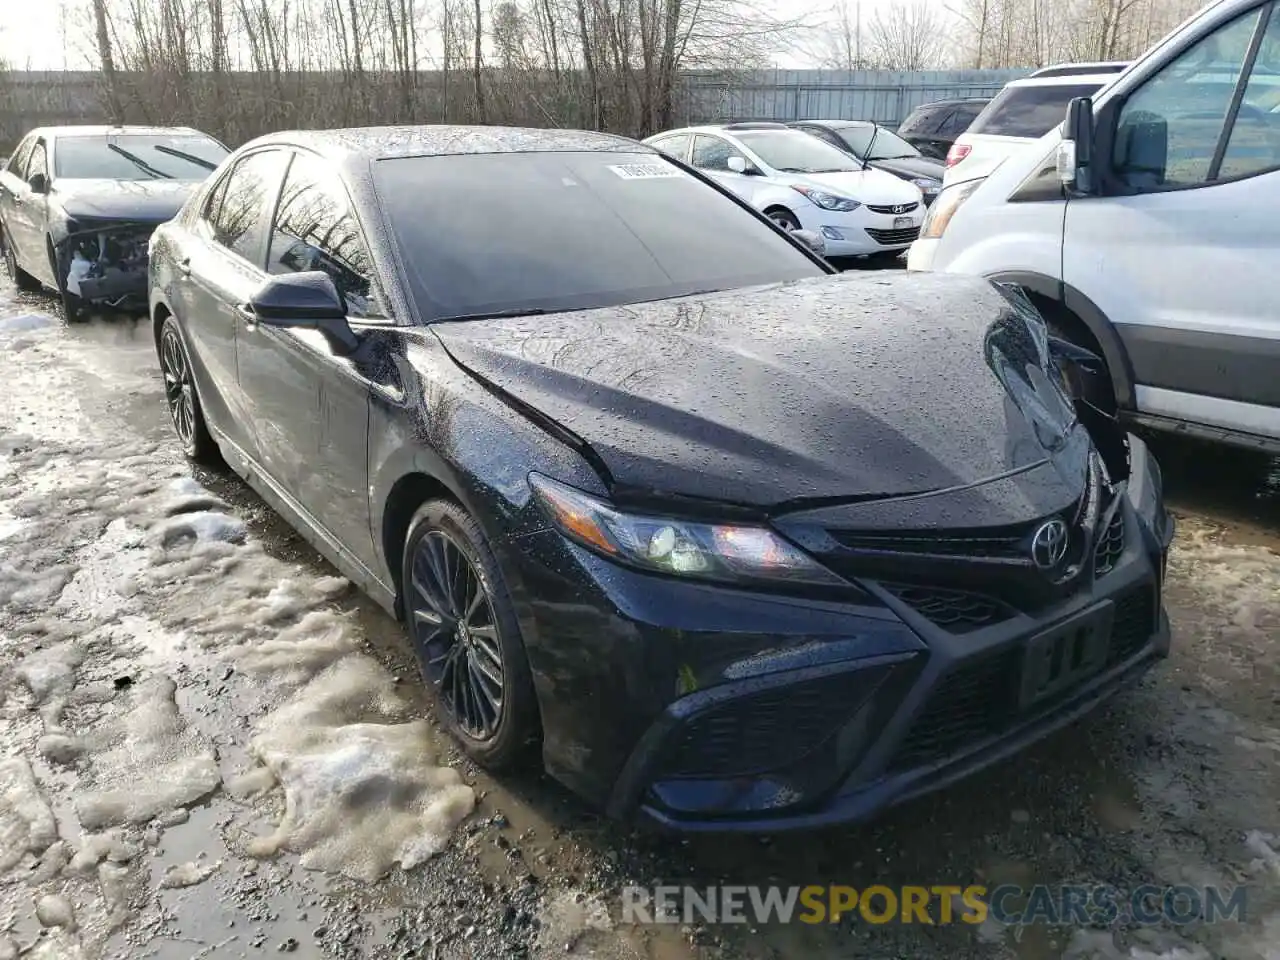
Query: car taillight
(957, 153)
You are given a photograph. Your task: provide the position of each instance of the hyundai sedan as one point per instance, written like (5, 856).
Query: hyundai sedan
(655, 493)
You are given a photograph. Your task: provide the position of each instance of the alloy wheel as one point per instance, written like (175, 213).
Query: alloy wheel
(178, 391)
(453, 623)
(784, 221)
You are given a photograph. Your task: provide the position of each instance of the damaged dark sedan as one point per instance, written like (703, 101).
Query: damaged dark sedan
(78, 205)
(734, 542)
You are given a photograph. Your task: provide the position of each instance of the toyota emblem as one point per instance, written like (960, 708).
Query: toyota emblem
(1049, 545)
(899, 208)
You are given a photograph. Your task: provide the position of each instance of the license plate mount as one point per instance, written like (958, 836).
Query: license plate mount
(1066, 654)
(900, 223)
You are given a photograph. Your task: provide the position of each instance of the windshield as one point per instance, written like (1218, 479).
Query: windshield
(794, 152)
(887, 146)
(542, 232)
(136, 157)
(1030, 111)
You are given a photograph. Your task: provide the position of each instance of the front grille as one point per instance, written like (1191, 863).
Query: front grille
(979, 699)
(899, 208)
(763, 731)
(1005, 545)
(905, 235)
(1134, 623)
(957, 611)
(1106, 554)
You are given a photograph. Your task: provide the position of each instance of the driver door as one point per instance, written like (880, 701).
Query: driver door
(711, 155)
(28, 215)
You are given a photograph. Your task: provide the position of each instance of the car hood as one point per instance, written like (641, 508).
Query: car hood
(831, 388)
(865, 186)
(912, 167)
(148, 201)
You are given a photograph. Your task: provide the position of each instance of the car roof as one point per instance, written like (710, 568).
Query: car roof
(935, 104)
(840, 124)
(386, 143)
(100, 130)
(1078, 69)
(1062, 80)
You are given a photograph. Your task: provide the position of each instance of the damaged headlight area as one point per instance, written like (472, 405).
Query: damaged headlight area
(106, 265)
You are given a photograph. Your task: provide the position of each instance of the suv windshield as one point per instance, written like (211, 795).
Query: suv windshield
(1030, 111)
(136, 157)
(542, 232)
(887, 146)
(792, 151)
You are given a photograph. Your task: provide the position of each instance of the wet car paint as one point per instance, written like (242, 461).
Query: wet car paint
(1173, 781)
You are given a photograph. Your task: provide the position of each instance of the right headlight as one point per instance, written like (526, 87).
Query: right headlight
(945, 207)
(729, 552)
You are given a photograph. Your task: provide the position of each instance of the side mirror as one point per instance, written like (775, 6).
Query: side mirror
(811, 240)
(737, 164)
(1075, 151)
(38, 182)
(308, 301)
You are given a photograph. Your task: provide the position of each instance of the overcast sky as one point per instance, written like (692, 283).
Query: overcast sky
(35, 38)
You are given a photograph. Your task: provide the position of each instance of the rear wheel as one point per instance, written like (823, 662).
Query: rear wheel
(180, 395)
(20, 278)
(466, 636)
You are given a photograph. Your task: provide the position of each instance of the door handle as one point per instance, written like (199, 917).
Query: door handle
(185, 266)
(247, 316)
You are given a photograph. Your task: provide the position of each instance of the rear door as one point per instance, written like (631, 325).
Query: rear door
(12, 180)
(224, 260)
(311, 407)
(1181, 254)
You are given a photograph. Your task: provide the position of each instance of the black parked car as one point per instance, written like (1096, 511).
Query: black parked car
(933, 127)
(881, 148)
(78, 204)
(658, 491)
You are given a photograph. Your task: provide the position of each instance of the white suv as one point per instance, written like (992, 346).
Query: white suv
(1145, 229)
(1020, 114)
(800, 182)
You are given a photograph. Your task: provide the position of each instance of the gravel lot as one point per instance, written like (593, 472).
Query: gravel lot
(213, 747)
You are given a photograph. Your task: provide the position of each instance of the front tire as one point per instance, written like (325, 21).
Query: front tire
(181, 398)
(466, 636)
(784, 218)
(20, 278)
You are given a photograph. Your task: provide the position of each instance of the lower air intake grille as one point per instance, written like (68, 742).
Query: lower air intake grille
(1134, 623)
(955, 610)
(889, 237)
(763, 731)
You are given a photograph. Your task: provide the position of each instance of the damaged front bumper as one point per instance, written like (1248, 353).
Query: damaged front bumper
(106, 265)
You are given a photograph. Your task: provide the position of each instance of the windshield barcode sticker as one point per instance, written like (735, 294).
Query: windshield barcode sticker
(644, 171)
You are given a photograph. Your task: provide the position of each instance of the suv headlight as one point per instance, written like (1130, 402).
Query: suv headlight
(683, 548)
(945, 207)
(827, 201)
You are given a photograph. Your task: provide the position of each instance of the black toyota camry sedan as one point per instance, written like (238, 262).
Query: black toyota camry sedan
(735, 542)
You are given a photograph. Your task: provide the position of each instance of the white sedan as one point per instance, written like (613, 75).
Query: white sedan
(800, 182)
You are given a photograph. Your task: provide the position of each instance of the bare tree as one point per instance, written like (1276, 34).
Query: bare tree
(908, 36)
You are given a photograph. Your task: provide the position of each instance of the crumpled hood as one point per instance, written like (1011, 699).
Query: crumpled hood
(866, 186)
(837, 387)
(147, 201)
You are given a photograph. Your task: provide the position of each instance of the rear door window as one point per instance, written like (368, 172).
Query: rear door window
(676, 146)
(39, 162)
(18, 162)
(1030, 111)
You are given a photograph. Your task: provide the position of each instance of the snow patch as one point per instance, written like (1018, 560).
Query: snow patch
(200, 525)
(362, 788)
(53, 910)
(27, 824)
(50, 675)
(188, 874)
(146, 763)
(26, 322)
(569, 919)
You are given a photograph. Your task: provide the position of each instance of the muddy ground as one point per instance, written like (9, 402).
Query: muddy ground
(213, 747)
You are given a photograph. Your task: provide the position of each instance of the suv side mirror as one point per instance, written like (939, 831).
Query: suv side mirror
(1075, 151)
(308, 301)
(39, 183)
